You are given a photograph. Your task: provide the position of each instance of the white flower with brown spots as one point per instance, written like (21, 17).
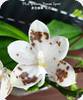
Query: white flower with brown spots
(42, 55)
(5, 83)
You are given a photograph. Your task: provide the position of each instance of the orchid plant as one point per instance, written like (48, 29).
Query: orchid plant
(40, 60)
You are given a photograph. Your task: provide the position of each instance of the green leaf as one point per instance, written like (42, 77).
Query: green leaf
(10, 31)
(78, 59)
(78, 13)
(60, 28)
(73, 40)
(77, 45)
(34, 88)
(74, 87)
(4, 57)
(70, 98)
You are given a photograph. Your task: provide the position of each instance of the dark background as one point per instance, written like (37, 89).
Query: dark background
(16, 10)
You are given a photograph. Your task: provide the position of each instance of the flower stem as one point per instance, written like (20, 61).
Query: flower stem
(77, 38)
(66, 92)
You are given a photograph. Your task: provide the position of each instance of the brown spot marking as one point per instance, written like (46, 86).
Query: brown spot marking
(36, 36)
(17, 54)
(58, 43)
(33, 44)
(31, 38)
(16, 76)
(26, 79)
(61, 74)
(67, 68)
(46, 35)
(30, 48)
(50, 43)
(62, 62)
(20, 68)
(54, 58)
(9, 75)
(58, 64)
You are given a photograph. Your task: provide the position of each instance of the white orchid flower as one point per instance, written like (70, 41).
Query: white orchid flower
(5, 83)
(42, 55)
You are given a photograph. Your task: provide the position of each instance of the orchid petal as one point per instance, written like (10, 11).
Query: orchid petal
(2, 98)
(55, 48)
(38, 31)
(24, 76)
(5, 84)
(42, 72)
(22, 52)
(62, 45)
(62, 73)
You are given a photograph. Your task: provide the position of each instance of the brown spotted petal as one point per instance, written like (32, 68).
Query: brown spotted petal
(38, 31)
(62, 73)
(24, 76)
(62, 45)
